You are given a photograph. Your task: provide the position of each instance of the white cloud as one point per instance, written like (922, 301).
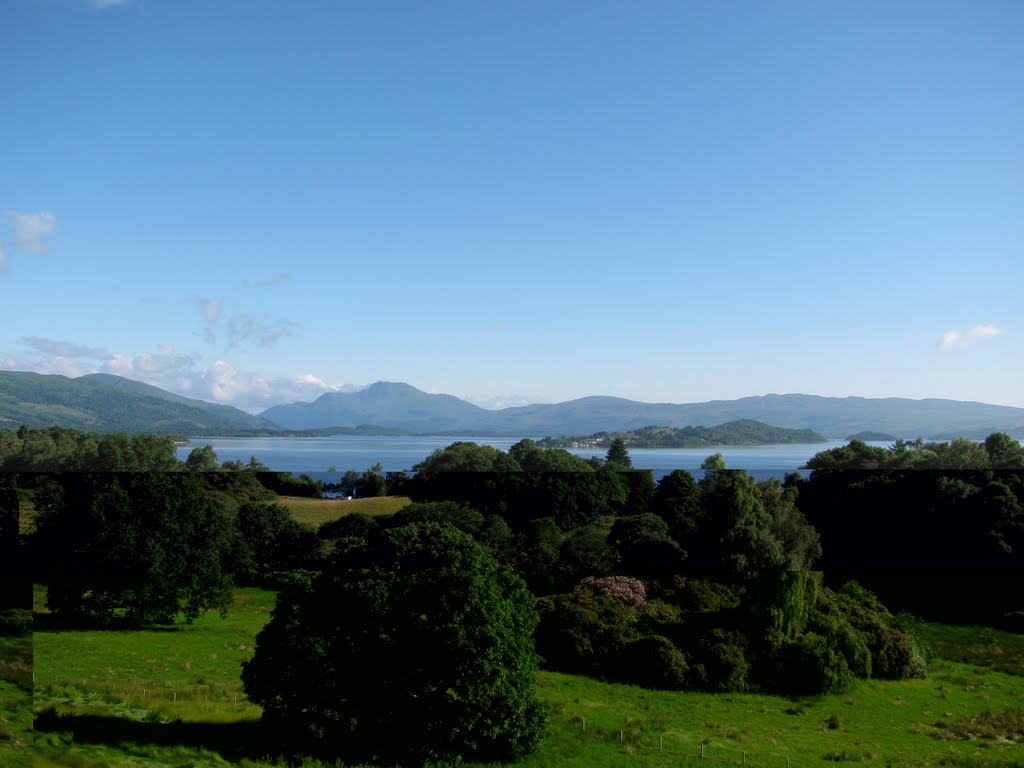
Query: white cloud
(498, 402)
(173, 371)
(5, 261)
(309, 379)
(954, 338)
(104, 4)
(229, 385)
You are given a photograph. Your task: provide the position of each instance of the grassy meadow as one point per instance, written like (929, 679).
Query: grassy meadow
(316, 512)
(15, 701)
(106, 699)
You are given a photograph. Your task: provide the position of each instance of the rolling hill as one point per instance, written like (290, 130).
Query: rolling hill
(105, 403)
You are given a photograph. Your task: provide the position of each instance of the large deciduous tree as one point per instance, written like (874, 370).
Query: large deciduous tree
(140, 546)
(414, 647)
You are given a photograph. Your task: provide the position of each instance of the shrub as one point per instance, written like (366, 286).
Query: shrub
(625, 588)
(705, 595)
(653, 662)
(581, 632)
(897, 656)
(15, 621)
(813, 666)
(722, 662)
(462, 516)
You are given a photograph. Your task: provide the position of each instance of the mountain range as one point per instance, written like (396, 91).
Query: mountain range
(104, 402)
(389, 404)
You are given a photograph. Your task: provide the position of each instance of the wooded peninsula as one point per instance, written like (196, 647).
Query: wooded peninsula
(737, 432)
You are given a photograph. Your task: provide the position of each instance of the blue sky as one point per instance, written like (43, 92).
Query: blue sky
(257, 201)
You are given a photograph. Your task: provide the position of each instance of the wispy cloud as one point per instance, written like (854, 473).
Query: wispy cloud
(955, 338)
(244, 330)
(30, 229)
(210, 309)
(28, 233)
(104, 4)
(279, 278)
(58, 348)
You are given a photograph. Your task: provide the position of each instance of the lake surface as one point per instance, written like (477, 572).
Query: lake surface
(313, 455)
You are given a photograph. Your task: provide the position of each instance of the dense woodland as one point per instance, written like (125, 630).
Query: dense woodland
(716, 583)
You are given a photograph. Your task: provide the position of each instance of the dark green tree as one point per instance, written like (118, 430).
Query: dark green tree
(202, 459)
(748, 526)
(140, 546)
(468, 457)
(415, 648)
(617, 457)
(270, 540)
(1004, 452)
(677, 502)
(644, 545)
(15, 584)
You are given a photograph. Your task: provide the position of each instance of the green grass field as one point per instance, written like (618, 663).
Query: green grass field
(15, 701)
(316, 512)
(173, 698)
(981, 646)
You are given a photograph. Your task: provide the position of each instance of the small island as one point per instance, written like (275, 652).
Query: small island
(739, 432)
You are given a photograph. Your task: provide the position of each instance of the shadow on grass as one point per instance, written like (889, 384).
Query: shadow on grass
(54, 622)
(233, 741)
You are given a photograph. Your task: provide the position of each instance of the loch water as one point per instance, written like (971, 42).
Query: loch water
(314, 455)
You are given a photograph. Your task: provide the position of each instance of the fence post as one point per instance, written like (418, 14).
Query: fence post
(702, 749)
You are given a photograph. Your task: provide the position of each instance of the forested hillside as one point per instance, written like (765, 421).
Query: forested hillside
(113, 404)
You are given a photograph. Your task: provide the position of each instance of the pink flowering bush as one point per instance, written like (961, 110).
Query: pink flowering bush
(625, 588)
